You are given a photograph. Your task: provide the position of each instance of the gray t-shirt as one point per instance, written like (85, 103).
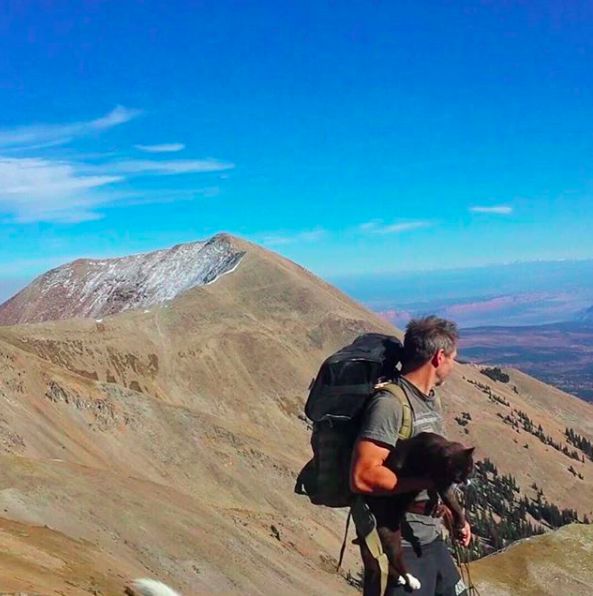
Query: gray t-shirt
(382, 421)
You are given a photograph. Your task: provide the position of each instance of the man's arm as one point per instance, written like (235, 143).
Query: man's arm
(368, 474)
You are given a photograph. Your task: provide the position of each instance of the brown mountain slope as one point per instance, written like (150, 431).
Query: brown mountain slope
(37, 557)
(560, 562)
(199, 400)
(170, 439)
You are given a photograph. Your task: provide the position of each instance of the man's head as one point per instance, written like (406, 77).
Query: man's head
(431, 342)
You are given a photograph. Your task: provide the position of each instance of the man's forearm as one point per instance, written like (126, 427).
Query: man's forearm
(410, 485)
(370, 476)
(380, 480)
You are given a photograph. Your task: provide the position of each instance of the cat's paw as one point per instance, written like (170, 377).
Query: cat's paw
(401, 581)
(413, 582)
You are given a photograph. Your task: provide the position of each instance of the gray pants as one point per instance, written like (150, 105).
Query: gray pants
(432, 565)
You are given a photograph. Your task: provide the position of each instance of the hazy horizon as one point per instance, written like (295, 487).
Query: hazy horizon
(513, 294)
(523, 293)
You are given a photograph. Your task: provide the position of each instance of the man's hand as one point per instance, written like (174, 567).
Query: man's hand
(464, 535)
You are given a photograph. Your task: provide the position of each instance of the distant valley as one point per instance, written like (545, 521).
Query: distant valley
(508, 331)
(537, 317)
(534, 293)
(559, 354)
(509, 310)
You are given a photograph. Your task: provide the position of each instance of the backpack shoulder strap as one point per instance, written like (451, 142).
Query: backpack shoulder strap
(406, 430)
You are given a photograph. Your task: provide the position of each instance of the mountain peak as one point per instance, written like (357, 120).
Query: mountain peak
(99, 287)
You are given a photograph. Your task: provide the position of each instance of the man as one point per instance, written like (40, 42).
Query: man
(430, 349)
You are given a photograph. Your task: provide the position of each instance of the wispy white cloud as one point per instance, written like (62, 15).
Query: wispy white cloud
(369, 225)
(53, 134)
(282, 239)
(378, 227)
(497, 209)
(160, 197)
(178, 166)
(163, 148)
(119, 115)
(37, 187)
(27, 149)
(33, 189)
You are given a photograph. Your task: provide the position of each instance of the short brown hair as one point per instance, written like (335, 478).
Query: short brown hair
(425, 336)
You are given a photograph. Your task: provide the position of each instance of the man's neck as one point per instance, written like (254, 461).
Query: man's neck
(420, 380)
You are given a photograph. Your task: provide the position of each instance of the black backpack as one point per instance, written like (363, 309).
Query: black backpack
(336, 402)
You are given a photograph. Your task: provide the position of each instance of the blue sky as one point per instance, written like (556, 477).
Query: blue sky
(353, 137)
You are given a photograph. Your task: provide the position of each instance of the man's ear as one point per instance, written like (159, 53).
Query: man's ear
(438, 357)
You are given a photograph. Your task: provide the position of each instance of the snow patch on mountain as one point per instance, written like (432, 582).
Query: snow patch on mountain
(95, 288)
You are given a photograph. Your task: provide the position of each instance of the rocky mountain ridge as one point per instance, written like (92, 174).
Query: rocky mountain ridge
(97, 288)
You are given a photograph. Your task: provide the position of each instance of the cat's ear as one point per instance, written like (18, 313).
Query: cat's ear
(469, 451)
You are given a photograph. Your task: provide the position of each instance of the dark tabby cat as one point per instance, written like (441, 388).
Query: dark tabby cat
(429, 455)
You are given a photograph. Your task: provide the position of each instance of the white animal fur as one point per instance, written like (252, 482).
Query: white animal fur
(413, 582)
(150, 587)
(410, 580)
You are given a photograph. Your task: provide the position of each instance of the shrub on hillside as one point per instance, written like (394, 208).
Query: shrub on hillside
(496, 374)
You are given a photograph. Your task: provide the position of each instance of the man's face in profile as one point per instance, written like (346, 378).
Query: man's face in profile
(445, 367)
